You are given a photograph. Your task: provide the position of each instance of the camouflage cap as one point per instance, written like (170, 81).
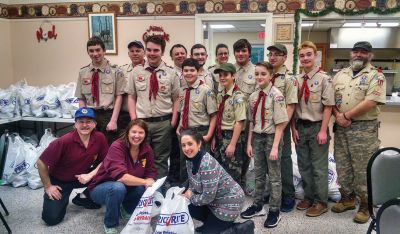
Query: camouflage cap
(228, 67)
(278, 47)
(363, 45)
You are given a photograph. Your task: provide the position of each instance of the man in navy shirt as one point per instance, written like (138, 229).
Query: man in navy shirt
(66, 164)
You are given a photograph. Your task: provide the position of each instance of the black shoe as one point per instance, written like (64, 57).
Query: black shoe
(85, 202)
(273, 219)
(246, 227)
(287, 204)
(199, 228)
(253, 210)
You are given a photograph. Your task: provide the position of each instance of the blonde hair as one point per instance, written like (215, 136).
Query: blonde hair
(308, 44)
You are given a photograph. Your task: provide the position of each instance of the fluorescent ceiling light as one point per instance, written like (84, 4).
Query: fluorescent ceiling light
(389, 24)
(221, 26)
(307, 24)
(204, 26)
(352, 25)
(370, 25)
(262, 25)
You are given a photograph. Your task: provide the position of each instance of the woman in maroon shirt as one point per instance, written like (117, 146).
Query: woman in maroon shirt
(126, 172)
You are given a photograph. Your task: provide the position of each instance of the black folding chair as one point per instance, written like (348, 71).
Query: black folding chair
(383, 173)
(2, 217)
(3, 154)
(388, 217)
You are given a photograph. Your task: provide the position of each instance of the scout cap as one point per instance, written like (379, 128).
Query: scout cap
(84, 112)
(137, 44)
(278, 47)
(364, 45)
(228, 67)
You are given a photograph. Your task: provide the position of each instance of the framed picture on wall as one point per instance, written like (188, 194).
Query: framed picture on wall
(104, 26)
(321, 55)
(284, 32)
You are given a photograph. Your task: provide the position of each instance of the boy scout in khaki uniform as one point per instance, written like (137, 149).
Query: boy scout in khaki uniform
(228, 142)
(359, 89)
(153, 96)
(197, 107)
(287, 84)
(268, 117)
(244, 76)
(136, 55)
(311, 132)
(100, 86)
(199, 52)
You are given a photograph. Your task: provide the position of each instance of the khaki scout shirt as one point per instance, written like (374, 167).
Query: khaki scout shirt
(321, 94)
(111, 84)
(368, 84)
(168, 89)
(205, 77)
(126, 69)
(178, 72)
(202, 104)
(287, 84)
(275, 109)
(245, 79)
(234, 109)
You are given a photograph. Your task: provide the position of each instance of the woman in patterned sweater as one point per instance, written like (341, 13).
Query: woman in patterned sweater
(216, 199)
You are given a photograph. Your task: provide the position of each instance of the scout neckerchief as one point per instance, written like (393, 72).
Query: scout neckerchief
(221, 111)
(95, 86)
(276, 75)
(261, 97)
(153, 83)
(185, 113)
(304, 87)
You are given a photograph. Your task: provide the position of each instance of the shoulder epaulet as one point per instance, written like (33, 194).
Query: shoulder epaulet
(169, 66)
(85, 66)
(113, 65)
(212, 66)
(323, 72)
(125, 65)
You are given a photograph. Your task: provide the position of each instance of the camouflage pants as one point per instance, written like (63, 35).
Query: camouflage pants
(354, 147)
(262, 145)
(183, 175)
(232, 165)
(103, 117)
(312, 159)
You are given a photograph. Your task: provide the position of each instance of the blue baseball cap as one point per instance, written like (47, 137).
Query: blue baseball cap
(85, 112)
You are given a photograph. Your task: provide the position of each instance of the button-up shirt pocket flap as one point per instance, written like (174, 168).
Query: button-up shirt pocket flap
(315, 93)
(87, 85)
(248, 85)
(107, 86)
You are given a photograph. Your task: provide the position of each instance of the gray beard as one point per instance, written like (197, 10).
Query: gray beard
(357, 65)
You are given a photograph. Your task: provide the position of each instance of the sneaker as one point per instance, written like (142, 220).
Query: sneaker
(273, 219)
(124, 214)
(111, 230)
(85, 202)
(252, 211)
(287, 204)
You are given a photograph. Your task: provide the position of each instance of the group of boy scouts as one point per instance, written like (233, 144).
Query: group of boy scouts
(222, 103)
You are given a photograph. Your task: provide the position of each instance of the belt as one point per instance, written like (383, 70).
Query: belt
(199, 128)
(355, 121)
(158, 119)
(307, 122)
(263, 134)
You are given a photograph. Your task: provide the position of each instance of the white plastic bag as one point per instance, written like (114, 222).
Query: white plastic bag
(37, 103)
(251, 179)
(25, 95)
(334, 193)
(175, 217)
(297, 182)
(52, 106)
(7, 103)
(15, 164)
(69, 103)
(141, 217)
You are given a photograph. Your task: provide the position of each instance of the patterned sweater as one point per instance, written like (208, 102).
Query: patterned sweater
(214, 187)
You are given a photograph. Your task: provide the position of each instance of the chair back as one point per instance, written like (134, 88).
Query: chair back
(388, 217)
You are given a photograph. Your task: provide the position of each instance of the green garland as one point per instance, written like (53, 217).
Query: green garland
(326, 11)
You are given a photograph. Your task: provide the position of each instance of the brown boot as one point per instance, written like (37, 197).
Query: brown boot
(348, 202)
(317, 209)
(362, 215)
(304, 204)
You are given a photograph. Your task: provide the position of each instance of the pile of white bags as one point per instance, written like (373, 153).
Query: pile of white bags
(23, 100)
(20, 166)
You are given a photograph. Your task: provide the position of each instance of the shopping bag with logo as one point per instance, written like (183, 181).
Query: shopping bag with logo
(15, 164)
(141, 216)
(175, 217)
(334, 193)
(69, 103)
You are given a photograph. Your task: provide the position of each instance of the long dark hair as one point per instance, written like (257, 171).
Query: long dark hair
(136, 122)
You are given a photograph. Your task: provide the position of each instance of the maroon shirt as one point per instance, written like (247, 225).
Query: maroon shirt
(119, 162)
(67, 156)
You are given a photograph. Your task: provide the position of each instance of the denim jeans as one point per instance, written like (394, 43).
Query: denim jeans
(113, 194)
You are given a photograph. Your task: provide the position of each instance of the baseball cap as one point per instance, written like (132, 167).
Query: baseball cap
(364, 45)
(135, 43)
(84, 112)
(278, 47)
(228, 67)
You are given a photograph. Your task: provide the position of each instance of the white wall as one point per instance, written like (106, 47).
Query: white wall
(6, 77)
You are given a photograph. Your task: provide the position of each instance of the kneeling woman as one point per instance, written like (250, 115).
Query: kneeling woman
(216, 199)
(126, 172)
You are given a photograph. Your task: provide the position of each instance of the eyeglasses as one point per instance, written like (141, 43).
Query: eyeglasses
(221, 54)
(82, 122)
(274, 55)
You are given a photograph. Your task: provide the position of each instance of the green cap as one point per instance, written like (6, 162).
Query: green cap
(228, 67)
(278, 47)
(363, 45)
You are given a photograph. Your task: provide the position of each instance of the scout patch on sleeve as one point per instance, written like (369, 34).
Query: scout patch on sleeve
(330, 79)
(377, 91)
(86, 81)
(381, 79)
(279, 98)
(211, 94)
(239, 100)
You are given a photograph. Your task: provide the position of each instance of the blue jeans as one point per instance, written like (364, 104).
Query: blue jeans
(113, 194)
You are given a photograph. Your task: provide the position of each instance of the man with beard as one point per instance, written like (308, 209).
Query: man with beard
(222, 56)
(199, 52)
(359, 89)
